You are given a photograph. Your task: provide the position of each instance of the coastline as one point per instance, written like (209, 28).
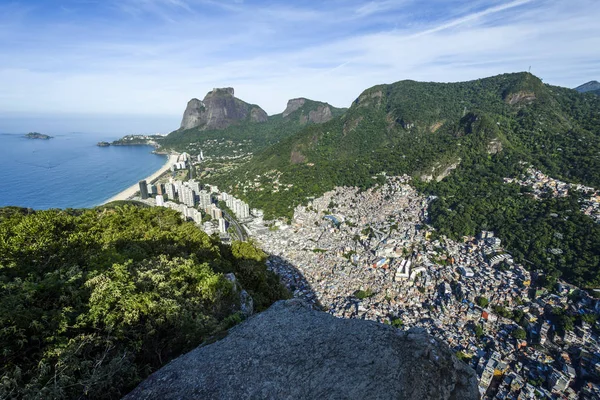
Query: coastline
(130, 191)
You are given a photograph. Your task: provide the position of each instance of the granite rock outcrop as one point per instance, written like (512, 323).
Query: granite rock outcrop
(315, 112)
(291, 351)
(218, 110)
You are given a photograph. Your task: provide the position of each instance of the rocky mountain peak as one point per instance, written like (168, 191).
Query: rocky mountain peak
(310, 111)
(218, 110)
(588, 87)
(228, 91)
(293, 352)
(293, 105)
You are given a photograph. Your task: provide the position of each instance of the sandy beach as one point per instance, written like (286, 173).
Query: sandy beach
(130, 191)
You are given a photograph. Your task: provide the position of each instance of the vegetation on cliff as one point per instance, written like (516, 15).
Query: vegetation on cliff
(92, 301)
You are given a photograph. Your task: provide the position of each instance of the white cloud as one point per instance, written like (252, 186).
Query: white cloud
(272, 55)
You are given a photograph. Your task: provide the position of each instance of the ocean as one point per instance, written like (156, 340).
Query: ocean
(69, 171)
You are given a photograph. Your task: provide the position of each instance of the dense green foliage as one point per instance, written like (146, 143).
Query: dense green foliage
(482, 301)
(421, 128)
(519, 334)
(92, 301)
(363, 294)
(475, 198)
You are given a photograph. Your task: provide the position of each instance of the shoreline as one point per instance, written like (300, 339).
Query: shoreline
(130, 191)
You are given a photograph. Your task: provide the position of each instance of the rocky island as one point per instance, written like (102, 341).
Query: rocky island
(37, 135)
(102, 144)
(138, 140)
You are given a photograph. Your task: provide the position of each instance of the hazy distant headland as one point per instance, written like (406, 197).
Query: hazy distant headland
(37, 135)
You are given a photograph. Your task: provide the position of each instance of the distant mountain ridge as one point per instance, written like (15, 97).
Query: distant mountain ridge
(424, 129)
(221, 116)
(418, 125)
(591, 86)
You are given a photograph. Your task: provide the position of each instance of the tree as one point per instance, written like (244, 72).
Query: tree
(482, 302)
(519, 334)
(478, 331)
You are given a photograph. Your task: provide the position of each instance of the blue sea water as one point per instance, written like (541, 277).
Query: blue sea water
(69, 170)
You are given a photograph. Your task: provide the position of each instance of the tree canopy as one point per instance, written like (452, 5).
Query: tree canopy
(93, 301)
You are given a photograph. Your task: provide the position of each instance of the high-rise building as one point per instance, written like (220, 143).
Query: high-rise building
(160, 201)
(214, 211)
(170, 190)
(151, 189)
(197, 216)
(194, 185)
(222, 227)
(205, 199)
(178, 185)
(160, 189)
(188, 212)
(187, 197)
(143, 189)
(236, 207)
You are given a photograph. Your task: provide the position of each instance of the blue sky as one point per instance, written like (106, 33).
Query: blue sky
(142, 58)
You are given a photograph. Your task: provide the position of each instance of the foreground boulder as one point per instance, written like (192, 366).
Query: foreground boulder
(293, 352)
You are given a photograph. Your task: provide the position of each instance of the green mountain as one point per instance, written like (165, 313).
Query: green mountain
(422, 129)
(246, 134)
(473, 133)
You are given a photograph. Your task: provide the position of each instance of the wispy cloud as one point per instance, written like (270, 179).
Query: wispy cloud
(373, 7)
(473, 17)
(151, 56)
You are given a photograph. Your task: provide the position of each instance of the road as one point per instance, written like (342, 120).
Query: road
(241, 233)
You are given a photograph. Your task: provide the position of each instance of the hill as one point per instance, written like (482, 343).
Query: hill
(423, 128)
(246, 135)
(589, 87)
(93, 301)
(474, 134)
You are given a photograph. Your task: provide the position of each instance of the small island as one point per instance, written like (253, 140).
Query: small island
(37, 135)
(102, 144)
(139, 140)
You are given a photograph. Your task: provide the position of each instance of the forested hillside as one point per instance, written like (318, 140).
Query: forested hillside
(422, 128)
(93, 301)
(474, 134)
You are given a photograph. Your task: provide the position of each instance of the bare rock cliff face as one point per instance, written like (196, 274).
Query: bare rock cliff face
(322, 112)
(293, 105)
(293, 352)
(218, 110)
